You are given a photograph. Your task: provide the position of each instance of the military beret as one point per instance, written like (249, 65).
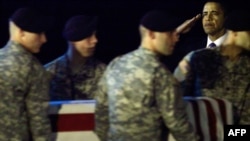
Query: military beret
(160, 21)
(31, 20)
(238, 20)
(79, 27)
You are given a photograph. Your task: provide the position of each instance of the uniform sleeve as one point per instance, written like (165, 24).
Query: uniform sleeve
(99, 72)
(101, 110)
(172, 106)
(179, 75)
(189, 83)
(37, 103)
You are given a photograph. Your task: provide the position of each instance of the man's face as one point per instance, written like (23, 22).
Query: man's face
(212, 18)
(86, 46)
(33, 41)
(165, 42)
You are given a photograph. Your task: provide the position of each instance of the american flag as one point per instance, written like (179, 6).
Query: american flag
(74, 120)
(208, 117)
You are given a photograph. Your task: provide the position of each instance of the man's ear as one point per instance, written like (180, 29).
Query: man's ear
(151, 34)
(20, 32)
(234, 33)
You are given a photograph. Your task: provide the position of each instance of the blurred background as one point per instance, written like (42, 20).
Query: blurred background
(117, 31)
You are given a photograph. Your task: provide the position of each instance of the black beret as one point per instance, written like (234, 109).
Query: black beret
(238, 20)
(79, 27)
(31, 20)
(160, 21)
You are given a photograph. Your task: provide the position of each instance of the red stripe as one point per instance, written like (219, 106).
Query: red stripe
(197, 118)
(223, 112)
(72, 122)
(212, 120)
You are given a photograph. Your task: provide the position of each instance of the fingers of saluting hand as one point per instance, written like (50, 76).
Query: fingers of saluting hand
(187, 25)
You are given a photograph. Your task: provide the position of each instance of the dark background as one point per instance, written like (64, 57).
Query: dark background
(117, 31)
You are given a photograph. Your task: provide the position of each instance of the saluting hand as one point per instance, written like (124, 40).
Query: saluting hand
(188, 24)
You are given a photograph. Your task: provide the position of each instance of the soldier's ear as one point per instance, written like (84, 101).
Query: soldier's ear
(151, 34)
(21, 32)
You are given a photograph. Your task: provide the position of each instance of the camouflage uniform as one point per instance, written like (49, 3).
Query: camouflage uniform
(24, 95)
(136, 95)
(214, 75)
(68, 86)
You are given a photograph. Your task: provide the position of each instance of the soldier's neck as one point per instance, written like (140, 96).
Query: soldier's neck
(75, 60)
(232, 52)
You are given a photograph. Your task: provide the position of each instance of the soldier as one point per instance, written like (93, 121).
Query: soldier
(137, 95)
(24, 83)
(223, 72)
(76, 73)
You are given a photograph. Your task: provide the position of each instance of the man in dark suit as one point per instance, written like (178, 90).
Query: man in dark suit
(213, 18)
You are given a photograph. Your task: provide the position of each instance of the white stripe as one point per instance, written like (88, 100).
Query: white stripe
(219, 121)
(229, 111)
(204, 120)
(72, 108)
(76, 136)
(190, 113)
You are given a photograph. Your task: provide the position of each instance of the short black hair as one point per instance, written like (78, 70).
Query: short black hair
(224, 6)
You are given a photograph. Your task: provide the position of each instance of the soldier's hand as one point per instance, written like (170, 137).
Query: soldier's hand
(184, 66)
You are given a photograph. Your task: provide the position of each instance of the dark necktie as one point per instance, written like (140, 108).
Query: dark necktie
(212, 45)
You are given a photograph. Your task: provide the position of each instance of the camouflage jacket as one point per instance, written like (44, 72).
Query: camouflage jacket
(24, 85)
(68, 86)
(214, 75)
(136, 95)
